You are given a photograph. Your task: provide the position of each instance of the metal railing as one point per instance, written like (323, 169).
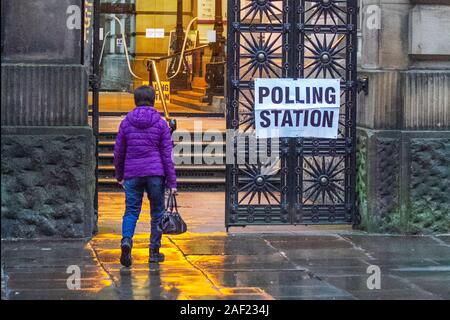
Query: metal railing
(153, 72)
(152, 64)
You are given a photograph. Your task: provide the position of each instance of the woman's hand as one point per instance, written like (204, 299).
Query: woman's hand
(173, 190)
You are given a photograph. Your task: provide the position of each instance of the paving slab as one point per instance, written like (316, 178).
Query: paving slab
(444, 238)
(402, 294)
(359, 282)
(323, 291)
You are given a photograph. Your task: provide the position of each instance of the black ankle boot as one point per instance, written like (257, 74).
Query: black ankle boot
(125, 258)
(155, 256)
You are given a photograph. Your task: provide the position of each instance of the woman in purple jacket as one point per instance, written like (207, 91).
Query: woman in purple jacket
(143, 162)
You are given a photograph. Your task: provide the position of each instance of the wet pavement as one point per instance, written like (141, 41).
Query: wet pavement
(207, 263)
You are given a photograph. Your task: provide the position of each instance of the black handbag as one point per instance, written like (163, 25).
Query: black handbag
(171, 222)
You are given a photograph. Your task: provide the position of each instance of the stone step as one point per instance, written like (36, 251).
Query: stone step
(179, 180)
(191, 103)
(104, 136)
(107, 141)
(183, 171)
(108, 145)
(191, 176)
(199, 82)
(201, 90)
(193, 95)
(192, 167)
(183, 184)
(106, 158)
(110, 155)
(110, 140)
(111, 136)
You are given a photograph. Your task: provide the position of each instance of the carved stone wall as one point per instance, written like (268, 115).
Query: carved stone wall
(403, 181)
(361, 181)
(429, 188)
(386, 173)
(47, 182)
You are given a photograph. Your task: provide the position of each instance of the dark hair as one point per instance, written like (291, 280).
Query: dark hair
(144, 96)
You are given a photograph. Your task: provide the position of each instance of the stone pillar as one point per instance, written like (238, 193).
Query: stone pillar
(404, 122)
(47, 166)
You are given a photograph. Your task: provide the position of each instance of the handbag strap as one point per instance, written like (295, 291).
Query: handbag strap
(168, 202)
(171, 204)
(175, 205)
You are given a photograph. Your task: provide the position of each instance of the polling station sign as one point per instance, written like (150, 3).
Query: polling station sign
(297, 108)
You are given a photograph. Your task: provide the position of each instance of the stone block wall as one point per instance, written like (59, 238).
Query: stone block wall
(429, 184)
(406, 100)
(47, 145)
(48, 182)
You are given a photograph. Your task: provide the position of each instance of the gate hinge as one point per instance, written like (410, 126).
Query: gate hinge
(363, 85)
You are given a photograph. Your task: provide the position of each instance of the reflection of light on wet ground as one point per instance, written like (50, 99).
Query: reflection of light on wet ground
(181, 276)
(205, 263)
(177, 278)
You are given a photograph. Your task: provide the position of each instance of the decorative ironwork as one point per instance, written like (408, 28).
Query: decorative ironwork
(261, 11)
(326, 11)
(311, 181)
(260, 180)
(323, 57)
(323, 180)
(246, 110)
(260, 56)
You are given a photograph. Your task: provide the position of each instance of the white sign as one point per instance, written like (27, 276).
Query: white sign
(297, 108)
(211, 36)
(149, 33)
(154, 33)
(159, 33)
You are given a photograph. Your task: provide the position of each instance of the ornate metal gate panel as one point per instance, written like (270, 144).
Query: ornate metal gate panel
(295, 180)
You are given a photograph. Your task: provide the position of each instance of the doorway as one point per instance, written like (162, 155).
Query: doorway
(311, 181)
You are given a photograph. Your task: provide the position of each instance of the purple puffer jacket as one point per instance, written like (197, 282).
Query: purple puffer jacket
(144, 147)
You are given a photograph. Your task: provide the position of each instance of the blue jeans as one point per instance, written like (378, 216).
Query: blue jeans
(134, 191)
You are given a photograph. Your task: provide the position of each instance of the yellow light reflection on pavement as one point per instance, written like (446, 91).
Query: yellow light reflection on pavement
(179, 276)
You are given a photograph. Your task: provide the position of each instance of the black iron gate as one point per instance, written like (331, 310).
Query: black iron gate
(307, 181)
